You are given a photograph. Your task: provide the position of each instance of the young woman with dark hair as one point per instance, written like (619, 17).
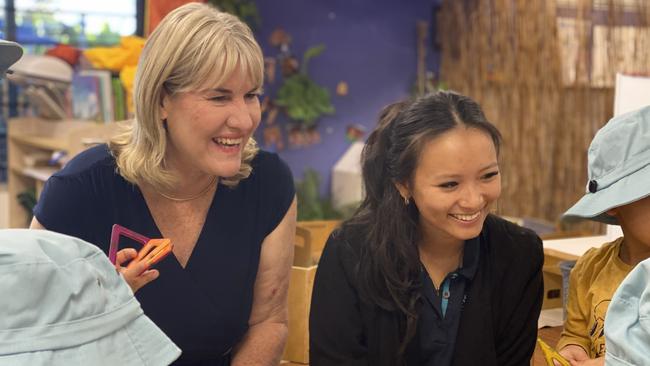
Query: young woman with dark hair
(423, 274)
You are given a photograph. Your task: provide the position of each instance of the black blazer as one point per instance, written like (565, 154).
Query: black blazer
(498, 324)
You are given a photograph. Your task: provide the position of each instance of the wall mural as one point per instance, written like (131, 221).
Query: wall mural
(301, 99)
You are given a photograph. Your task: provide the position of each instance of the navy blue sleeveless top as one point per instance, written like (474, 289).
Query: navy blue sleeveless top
(204, 307)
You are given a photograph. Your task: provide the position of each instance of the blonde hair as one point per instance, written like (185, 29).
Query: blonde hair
(195, 46)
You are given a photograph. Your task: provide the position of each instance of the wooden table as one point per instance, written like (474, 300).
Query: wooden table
(550, 335)
(559, 250)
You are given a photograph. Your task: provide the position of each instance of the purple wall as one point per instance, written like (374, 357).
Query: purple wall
(371, 45)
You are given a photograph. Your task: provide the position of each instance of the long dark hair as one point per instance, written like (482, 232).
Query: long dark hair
(389, 269)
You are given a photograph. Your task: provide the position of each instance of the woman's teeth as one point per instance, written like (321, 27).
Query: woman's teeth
(227, 141)
(471, 217)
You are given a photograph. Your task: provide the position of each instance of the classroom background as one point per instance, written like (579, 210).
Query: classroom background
(548, 74)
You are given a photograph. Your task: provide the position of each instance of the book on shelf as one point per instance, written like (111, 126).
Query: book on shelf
(46, 104)
(105, 96)
(97, 95)
(85, 98)
(119, 98)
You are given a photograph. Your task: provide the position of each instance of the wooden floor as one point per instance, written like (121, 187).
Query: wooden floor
(548, 335)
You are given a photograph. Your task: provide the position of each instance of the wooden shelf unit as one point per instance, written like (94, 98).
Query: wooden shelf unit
(28, 136)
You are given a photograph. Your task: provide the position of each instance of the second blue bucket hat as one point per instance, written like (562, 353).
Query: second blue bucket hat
(627, 323)
(618, 167)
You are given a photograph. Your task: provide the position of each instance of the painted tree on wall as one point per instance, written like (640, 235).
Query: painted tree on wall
(303, 99)
(299, 97)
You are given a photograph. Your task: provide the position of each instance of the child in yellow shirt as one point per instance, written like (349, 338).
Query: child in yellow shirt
(618, 193)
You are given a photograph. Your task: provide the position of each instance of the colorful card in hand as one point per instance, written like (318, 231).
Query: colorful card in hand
(551, 355)
(153, 250)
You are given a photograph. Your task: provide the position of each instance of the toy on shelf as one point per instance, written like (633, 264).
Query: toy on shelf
(153, 250)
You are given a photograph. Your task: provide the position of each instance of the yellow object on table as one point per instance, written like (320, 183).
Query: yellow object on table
(551, 355)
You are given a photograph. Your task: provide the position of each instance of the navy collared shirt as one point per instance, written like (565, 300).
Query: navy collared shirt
(441, 310)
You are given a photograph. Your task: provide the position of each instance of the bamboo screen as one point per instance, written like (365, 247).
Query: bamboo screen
(543, 72)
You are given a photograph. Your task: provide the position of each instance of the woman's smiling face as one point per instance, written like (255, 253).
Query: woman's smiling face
(207, 130)
(455, 182)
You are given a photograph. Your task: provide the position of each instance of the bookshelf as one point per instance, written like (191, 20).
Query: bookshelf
(29, 140)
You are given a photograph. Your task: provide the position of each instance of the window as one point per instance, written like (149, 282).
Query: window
(601, 38)
(81, 23)
(3, 21)
(40, 24)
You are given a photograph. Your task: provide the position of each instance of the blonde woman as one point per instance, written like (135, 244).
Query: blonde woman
(187, 169)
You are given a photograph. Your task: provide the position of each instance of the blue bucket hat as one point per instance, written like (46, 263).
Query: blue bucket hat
(10, 52)
(619, 167)
(63, 303)
(627, 323)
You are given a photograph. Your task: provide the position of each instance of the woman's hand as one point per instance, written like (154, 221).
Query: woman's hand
(137, 274)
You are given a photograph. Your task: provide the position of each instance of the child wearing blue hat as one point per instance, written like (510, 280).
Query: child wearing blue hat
(618, 193)
(62, 303)
(627, 328)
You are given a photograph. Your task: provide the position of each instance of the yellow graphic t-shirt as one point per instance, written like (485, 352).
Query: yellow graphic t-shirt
(592, 283)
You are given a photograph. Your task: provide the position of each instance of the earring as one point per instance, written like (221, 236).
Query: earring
(406, 201)
(164, 123)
